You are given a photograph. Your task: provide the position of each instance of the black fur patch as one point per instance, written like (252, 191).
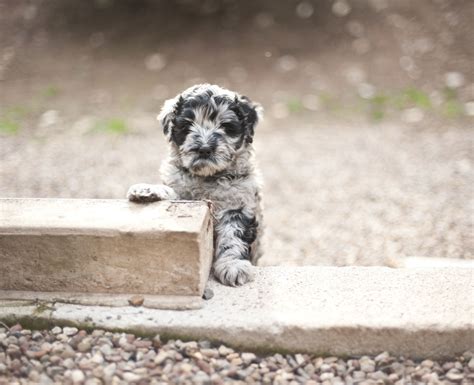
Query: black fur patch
(247, 228)
(181, 124)
(247, 114)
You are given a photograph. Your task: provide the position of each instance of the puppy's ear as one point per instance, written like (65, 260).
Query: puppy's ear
(250, 114)
(170, 110)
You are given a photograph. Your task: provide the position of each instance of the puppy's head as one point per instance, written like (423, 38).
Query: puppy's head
(209, 127)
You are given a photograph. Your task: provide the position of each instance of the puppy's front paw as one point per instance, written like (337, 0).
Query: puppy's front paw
(233, 272)
(143, 192)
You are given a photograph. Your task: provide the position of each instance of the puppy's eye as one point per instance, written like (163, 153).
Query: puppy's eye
(231, 128)
(182, 124)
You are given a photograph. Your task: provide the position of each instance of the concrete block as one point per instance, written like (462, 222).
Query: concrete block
(320, 310)
(105, 251)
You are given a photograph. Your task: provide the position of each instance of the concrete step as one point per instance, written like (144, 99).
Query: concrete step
(324, 310)
(103, 252)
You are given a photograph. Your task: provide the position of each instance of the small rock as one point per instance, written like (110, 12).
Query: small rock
(70, 331)
(93, 381)
(454, 79)
(77, 376)
(358, 375)
(143, 344)
(109, 370)
(471, 364)
(106, 350)
(469, 108)
(84, 346)
(382, 357)
(13, 351)
(204, 366)
(97, 358)
(36, 336)
(48, 118)
(98, 333)
(160, 358)
(225, 351)
(68, 363)
(136, 300)
(156, 341)
(427, 363)
(325, 368)
(208, 294)
(56, 330)
(367, 367)
(448, 366)
(36, 354)
(131, 377)
(15, 328)
(413, 115)
(326, 376)
(248, 358)
(210, 353)
(454, 375)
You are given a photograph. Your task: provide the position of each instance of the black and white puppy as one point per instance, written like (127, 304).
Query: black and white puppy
(210, 131)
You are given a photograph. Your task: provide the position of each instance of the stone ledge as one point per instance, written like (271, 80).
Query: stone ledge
(328, 310)
(102, 252)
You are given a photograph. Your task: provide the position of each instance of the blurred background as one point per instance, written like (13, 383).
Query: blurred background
(367, 144)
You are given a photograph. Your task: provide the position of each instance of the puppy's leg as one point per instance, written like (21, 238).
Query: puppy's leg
(236, 230)
(143, 192)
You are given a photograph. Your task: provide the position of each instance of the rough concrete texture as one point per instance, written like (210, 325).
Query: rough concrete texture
(329, 310)
(70, 248)
(415, 262)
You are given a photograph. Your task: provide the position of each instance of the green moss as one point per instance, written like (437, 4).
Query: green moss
(451, 108)
(112, 125)
(9, 126)
(50, 92)
(412, 97)
(11, 118)
(295, 106)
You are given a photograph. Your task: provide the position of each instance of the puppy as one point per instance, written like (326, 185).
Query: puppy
(210, 131)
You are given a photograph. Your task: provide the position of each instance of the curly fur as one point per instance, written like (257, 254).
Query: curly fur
(210, 131)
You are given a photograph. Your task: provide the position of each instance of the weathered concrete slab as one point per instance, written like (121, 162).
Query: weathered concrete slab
(416, 262)
(104, 251)
(329, 310)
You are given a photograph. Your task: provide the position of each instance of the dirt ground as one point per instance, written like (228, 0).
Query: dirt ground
(366, 148)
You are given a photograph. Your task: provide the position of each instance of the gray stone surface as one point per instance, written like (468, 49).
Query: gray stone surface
(104, 251)
(327, 310)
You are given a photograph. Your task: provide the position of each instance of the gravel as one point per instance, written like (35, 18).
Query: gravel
(71, 356)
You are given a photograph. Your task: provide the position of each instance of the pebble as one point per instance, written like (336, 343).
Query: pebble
(454, 79)
(131, 377)
(70, 331)
(84, 346)
(118, 358)
(156, 341)
(136, 300)
(225, 351)
(382, 357)
(471, 364)
(454, 375)
(208, 294)
(77, 376)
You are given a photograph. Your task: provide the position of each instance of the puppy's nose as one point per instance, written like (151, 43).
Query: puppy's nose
(205, 151)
